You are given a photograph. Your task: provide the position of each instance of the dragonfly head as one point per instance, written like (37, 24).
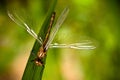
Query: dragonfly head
(38, 62)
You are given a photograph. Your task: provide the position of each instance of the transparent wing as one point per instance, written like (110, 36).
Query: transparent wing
(82, 45)
(57, 26)
(14, 17)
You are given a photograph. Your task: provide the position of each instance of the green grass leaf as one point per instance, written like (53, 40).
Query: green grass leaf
(32, 71)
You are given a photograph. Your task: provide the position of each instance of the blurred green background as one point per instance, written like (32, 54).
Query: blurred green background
(94, 20)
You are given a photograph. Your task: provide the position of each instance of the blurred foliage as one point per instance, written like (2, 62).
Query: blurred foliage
(95, 20)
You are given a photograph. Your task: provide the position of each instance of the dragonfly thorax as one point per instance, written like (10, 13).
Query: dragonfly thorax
(41, 53)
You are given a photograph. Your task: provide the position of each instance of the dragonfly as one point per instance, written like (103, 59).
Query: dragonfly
(51, 32)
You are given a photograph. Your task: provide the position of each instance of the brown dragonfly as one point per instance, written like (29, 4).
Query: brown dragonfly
(50, 35)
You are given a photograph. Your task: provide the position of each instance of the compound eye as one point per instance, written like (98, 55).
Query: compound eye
(38, 63)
